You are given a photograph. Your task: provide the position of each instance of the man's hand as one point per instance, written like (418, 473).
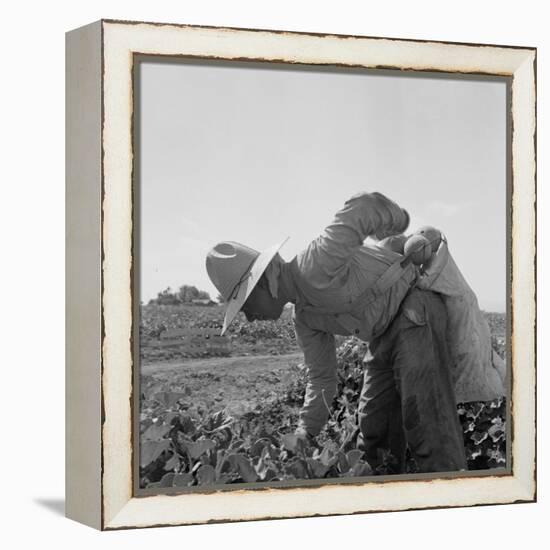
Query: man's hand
(303, 435)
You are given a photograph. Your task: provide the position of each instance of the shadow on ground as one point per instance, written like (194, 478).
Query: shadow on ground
(55, 505)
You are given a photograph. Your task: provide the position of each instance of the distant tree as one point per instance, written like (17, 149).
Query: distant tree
(166, 297)
(185, 295)
(188, 293)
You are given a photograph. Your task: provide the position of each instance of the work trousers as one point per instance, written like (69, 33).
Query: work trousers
(408, 396)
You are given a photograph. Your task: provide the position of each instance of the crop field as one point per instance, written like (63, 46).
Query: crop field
(223, 419)
(258, 338)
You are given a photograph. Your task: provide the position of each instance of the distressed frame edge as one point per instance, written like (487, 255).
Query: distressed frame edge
(524, 271)
(525, 489)
(315, 34)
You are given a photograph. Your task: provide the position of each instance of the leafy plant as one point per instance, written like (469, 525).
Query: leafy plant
(185, 445)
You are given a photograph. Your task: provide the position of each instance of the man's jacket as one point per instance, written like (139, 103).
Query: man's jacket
(346, 287)
(478, 371)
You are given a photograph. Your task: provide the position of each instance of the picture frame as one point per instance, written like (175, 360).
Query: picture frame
(100, 280)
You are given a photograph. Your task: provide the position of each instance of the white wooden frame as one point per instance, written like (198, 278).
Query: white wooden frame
(99, 284)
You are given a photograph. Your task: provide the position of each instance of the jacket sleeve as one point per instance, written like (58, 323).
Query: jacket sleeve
(363, 215)
(320, 360)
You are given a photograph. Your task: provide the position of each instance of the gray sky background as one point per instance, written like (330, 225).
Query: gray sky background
(256, 154)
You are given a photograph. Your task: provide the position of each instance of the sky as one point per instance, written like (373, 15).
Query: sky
(255, 154)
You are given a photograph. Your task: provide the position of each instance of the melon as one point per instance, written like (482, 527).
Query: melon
(419, 249)
(432, 234)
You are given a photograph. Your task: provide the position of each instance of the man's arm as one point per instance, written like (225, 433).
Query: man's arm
(320, 360)
(363, 215)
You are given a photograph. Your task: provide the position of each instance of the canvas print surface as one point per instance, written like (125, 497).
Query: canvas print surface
(321, 274)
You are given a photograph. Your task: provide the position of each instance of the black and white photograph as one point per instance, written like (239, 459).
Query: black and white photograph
(321, 275)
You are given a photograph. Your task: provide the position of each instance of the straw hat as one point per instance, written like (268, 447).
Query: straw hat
(235, 269)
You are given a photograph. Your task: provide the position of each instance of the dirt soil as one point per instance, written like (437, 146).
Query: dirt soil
(236, 384)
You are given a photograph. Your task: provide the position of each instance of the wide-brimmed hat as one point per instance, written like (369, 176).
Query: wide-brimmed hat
(235, 269)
